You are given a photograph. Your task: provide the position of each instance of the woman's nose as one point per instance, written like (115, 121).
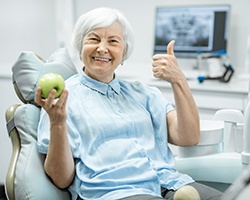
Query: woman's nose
(102, 47)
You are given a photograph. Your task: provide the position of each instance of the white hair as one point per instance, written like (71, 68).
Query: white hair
(99, 18)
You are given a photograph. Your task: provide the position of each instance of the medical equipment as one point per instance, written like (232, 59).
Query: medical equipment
(214, 66)
(218, 157)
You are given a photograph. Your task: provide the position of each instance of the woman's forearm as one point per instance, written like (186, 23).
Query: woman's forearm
(59, 162)
(188, 126)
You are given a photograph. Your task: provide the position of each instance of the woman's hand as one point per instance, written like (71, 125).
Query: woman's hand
(165, 66)
(56, 108)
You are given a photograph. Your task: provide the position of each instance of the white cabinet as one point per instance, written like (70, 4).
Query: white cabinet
(211, 95)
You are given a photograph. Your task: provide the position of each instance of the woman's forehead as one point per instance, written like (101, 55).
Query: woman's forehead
(114, 30)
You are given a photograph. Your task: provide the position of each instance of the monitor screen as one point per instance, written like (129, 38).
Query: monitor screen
(195, 29)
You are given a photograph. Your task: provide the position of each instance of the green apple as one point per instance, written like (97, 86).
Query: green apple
(49, 82)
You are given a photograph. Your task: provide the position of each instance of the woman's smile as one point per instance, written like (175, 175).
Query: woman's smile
(101, 59)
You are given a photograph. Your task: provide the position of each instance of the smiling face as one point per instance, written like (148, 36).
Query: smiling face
(102, 52)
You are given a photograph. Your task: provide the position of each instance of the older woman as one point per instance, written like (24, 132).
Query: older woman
(107, 138)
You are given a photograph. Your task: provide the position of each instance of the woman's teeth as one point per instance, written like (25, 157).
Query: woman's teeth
(102, 59)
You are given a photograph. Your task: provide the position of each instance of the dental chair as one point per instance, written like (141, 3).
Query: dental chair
(215, 159)
(223, 153)
(240, 189)
(25, 177)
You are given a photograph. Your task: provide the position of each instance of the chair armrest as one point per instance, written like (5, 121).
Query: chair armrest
(16, 146)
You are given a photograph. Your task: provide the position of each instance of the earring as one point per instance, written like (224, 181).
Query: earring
(122, 62)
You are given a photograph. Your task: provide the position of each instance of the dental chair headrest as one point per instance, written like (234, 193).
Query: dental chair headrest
(29, 67)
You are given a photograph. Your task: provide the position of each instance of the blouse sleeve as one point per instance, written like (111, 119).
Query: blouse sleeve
(43, 135)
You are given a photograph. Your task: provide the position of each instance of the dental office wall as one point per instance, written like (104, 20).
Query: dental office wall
(43, 26)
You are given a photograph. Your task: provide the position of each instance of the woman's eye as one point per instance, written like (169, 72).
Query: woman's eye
(93, 39)
(113, 41)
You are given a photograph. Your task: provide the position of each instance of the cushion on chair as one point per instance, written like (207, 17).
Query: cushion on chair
(29, 67)
(31, 182)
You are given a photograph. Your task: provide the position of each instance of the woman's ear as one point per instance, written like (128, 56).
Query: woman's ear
(123, 55)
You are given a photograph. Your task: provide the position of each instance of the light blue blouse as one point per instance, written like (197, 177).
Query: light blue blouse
(118, 136)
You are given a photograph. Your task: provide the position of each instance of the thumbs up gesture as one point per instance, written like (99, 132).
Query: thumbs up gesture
(165, 66)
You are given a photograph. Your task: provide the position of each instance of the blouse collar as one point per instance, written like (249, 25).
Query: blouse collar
(98, 86)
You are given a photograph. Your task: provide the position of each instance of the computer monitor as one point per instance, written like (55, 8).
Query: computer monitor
(195, 29)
